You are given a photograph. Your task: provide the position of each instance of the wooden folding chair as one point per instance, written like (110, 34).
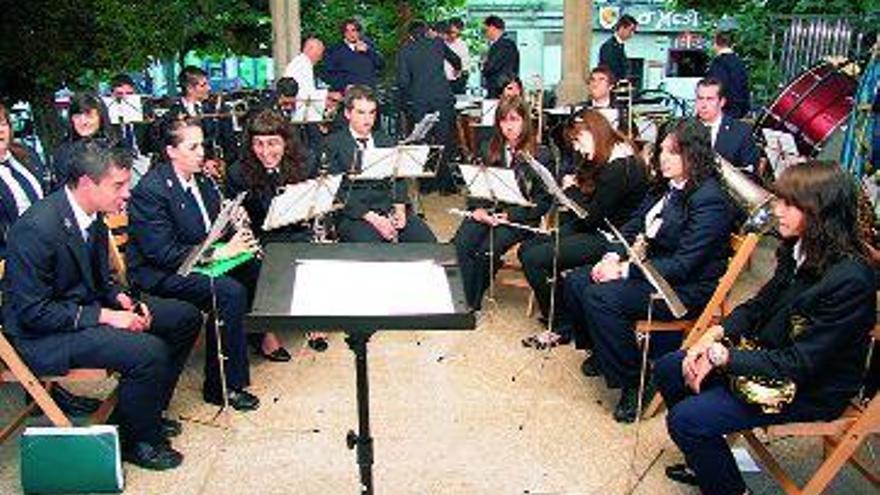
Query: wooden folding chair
(14, 369)
(841, 439)
(118, 225)
(743, 247)
(511, 272)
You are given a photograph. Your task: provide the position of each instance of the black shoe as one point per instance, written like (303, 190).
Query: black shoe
(158, 457)
(627, 408)
(70, 404)
(318, 344)
(682, 474)
(590, 367)
(279, 355)
(240, 400)
(171, 427)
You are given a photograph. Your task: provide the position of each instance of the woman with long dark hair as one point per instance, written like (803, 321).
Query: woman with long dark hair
(686, 220)
(513, 134)
(87, 119)
(807, 330)
(609, 183)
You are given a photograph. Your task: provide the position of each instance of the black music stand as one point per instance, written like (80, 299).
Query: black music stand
(272, 310)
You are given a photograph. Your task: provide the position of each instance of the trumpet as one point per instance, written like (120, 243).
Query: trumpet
(506, 223)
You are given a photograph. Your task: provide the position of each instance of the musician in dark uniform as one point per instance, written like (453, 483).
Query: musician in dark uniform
(728, 68)
(609, 183)
(220, 147)
(612, 53)
(87, 120)
(172, 208)
(424, 89)
(134, 137)
(686, 219)
(809, 327)
(62, 310)
(731, 138)
(501, 60)
(513, 134)
(375, 210)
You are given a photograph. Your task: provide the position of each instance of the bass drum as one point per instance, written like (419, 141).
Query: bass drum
(812, 109)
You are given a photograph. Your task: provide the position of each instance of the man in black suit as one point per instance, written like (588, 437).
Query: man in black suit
(424, 88)
(502, 59)
(731, 138)
(612, 54)
(62, 309)
(375, 210)
(728, 68)
(172, 209)
(133, 137)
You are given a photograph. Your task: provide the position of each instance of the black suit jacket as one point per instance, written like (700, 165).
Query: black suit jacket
(730, 70)
(164, 226)
(502, 60)
(620, 188)
(736, 144)
(420, 74)
(530, 185)
(814, 330)
(613, 55)
(8, 208)
(692, 245)
(51, 284)
(362, 196)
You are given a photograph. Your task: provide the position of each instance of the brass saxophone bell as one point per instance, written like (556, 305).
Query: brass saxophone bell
(751, 197)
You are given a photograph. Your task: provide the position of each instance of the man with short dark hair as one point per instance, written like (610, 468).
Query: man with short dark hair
(62, 310)
(353, 61)
(731, 138)
(728, 68)
(133, 137)
(502, 60)
(375, 210)
(612, 54)
(452, 36)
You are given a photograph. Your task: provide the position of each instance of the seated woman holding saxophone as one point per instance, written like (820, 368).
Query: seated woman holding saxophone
(804, 337)
(170, 213)
(513, 134)
(610, 182)
(272, 158)
(686, 221)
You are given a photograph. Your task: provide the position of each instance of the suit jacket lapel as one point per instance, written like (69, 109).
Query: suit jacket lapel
(75, 241)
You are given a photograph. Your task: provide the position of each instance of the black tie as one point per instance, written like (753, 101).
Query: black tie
(197, 108)
(362, 142)
(23, 182)
(93, 246)
(192, 203)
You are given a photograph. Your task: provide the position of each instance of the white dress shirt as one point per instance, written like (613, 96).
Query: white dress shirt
(193, 185)
(83, 219)
(22, 202)
(460, 48)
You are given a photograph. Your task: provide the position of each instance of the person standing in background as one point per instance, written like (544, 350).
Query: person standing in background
(612, 54)
(502, 58)
(728, 68)
(457, 77)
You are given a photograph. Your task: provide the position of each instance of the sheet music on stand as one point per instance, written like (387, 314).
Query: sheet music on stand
(781, 149)
(302, 201)
(553, 188)
(399, 161)
(218, 228)
(422, 128)
(493, 183)
(487, 112)
(311, 108)
(128, 109)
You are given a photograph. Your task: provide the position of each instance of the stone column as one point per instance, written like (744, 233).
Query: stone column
(285, 32)
(577, 33)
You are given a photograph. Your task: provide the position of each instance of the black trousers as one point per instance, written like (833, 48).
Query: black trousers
(234, 293)
(357, 230)
(442, 133)
(149, 363)
(575, 249)
(697, 423)
(472, 246)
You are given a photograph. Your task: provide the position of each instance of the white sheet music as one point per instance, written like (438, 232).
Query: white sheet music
(370, 288)
(311, 107)
(781, 149)
(400, 161)
(487, 112)
(302, 201)
(124, 109)
(493, 183)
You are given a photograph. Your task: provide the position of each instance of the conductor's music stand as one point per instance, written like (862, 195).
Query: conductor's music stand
(275, 307)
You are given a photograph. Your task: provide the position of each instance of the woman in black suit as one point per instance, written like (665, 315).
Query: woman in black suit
(808, 326)
(272, 159)
(87, 119)
(687, 220)
(513, 134)
(609, 183)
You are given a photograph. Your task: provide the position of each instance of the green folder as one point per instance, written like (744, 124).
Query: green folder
(219, 268)
(78, 459)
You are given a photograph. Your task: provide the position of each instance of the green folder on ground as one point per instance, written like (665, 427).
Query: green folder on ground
(78, 459)
(222, 267)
